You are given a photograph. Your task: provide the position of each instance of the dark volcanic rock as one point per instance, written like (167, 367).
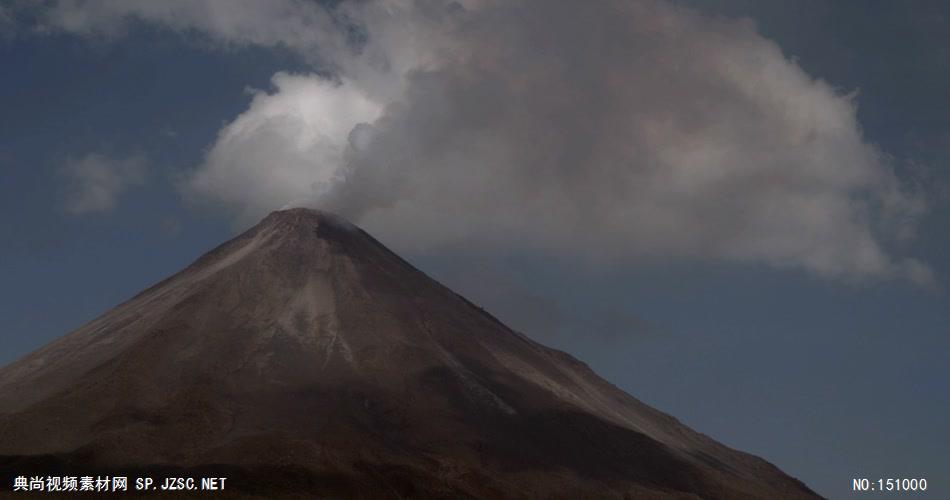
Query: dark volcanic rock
(303, 358)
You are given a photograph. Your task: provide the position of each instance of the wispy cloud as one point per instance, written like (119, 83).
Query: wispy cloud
(95, 182)
(7, 24)
(301, 26)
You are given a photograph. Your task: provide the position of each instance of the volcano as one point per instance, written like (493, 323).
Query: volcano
(304, 359)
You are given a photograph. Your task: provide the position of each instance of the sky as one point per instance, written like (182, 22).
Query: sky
(734, 210)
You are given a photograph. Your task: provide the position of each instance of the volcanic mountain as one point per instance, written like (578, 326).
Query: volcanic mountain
(304, 359)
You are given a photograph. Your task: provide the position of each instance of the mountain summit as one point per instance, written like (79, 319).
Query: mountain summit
(303, 358)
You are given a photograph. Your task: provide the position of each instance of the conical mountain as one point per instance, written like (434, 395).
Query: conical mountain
(304, 358)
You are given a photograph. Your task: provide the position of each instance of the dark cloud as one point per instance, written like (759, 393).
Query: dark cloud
(626, 129)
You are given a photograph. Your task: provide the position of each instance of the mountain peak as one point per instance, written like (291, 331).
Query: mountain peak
(302, 216)
(294, 240)
(292, 220)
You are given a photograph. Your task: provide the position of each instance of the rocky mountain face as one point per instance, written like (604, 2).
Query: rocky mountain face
(303, 358)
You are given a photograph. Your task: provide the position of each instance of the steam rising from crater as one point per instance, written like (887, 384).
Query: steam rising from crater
(615, 130)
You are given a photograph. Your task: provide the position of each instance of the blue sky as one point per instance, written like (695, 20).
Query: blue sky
(828, 369)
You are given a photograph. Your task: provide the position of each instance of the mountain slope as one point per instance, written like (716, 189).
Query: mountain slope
(305, 350)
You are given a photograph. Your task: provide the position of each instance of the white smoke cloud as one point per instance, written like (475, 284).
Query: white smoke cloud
(95, 182)
(616, 130)
(286, 147)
